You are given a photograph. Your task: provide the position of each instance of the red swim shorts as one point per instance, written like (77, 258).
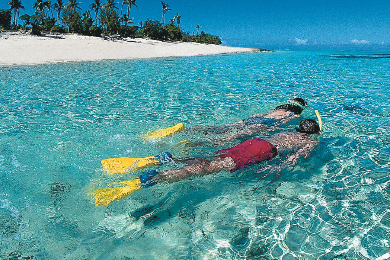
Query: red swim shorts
(251, 151)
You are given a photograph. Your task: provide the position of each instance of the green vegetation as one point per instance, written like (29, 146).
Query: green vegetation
(5, 19)
(102, 19)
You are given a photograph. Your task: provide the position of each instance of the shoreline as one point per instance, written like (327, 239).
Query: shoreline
(24, 49)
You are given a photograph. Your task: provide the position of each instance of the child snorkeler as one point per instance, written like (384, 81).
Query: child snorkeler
(260, 123)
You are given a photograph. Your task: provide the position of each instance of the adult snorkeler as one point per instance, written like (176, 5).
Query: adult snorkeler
(252, 151)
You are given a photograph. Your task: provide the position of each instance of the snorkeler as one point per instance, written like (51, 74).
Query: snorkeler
(260, 123)
(252, 151)
(251, 125)
(280, 115)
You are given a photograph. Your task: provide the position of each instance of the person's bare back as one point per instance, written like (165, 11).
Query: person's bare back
(288, 141)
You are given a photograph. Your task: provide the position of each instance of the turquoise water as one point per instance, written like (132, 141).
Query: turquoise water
(58, 121)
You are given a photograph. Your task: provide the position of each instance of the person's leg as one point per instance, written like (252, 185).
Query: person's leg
(201, 167)
(207, 130)
(244, 132)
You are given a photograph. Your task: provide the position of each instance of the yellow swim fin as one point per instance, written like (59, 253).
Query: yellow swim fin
(105, 196)
(129, 164)
(160, 133)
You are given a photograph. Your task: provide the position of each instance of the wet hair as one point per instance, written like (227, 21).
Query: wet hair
(300, 101)
(308, 126)
(290, 107)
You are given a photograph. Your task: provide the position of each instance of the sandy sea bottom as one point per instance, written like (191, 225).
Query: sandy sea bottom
(59, 121)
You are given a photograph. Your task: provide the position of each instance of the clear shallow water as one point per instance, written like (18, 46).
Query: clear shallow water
(58, 121)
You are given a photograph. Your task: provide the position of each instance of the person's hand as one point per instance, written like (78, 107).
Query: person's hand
(270, 169)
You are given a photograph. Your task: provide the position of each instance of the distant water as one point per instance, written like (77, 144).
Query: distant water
(59, 121)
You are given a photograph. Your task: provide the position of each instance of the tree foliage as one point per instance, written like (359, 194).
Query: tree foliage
(71, 17)
(202, 38)
(109, 18)
(16, 5)
(100, 18)
(165, 8)
(5, 19)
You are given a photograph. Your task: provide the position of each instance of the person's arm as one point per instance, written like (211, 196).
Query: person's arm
(247, 131)
(253, 129)
(285, 120)
(290, 161)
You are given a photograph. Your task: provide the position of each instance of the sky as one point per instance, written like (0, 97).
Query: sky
(272, 24)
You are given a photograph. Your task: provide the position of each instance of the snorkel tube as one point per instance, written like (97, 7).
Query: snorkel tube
(319, 119)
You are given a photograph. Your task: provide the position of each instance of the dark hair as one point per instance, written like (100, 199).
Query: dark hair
(300, 101)
(308, 126)
(290, 107)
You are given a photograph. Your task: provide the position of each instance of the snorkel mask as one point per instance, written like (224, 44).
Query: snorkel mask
(296, 103)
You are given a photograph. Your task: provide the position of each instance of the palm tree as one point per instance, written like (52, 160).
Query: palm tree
(197, 27)
(39, 6)
(165, 8)
(110, 5)
(71, 16)
(86, 20)
(39, 16)
(177, 17)
(129, 4)
(16, 5)
(125, 18)
(47, 4)
(87, 15)
(26, 20)
(96, 6)
(73, 5)
(58, 7)
(109, 17)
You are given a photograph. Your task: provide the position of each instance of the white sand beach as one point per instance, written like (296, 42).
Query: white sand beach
(23, 49)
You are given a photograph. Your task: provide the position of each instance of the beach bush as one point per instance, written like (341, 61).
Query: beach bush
(35, 30)
(95, 31)
(5, 19)
(152, 30)
(156, 31)
(174, 32)
(202, 38)
(57, 29)
(207, 38)
(128, 31)
(48, 24)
